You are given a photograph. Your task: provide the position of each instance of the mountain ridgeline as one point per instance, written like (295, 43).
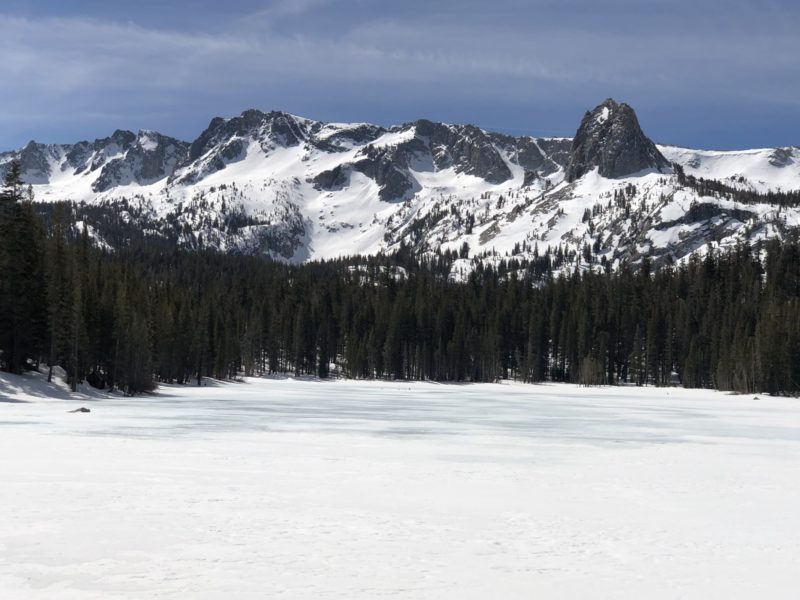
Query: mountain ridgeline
(274, 244)
(295, 189)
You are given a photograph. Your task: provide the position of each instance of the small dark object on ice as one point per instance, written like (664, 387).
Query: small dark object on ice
(82, 409)
(756, 398)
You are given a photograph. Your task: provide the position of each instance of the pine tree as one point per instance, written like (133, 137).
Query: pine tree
(57, 290)
(22, 293)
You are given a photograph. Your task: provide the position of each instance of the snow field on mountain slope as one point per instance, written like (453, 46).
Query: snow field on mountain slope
(275, 184)
(755, 165)
(304, 489)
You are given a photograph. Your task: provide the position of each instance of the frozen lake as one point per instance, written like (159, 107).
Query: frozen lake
(351, 490)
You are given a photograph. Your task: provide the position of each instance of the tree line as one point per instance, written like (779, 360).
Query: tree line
(142, 314)
(716, 188)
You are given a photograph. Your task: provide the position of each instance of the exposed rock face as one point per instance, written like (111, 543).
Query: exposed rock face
(388, 167)
(343, 137)
(427, 146)
(278, 127)
(120, 159)
(467, 148)
(226, 140)
(147, 158)
(35, 160)
(432, 147)
(783, 157)
(333, 179)
(557, 150)
(610, 138)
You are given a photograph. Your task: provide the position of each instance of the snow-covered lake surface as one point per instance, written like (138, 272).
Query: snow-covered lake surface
(351, 490)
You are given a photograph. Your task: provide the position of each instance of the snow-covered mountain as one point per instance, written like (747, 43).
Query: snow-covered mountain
(88, 168)
(298, 189)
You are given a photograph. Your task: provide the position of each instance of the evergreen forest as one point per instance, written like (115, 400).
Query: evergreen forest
(147, 313)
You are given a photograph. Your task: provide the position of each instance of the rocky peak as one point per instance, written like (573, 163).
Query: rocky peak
(149, 157)
(124, 138)
(228, 139)
(610, 138)
(35, 160)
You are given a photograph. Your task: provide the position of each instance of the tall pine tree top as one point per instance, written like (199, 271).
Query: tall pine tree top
(12, 184)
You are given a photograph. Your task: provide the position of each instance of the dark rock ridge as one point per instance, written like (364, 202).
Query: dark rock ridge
(610, 138)
(148, 158)
(431, 146)
(226, 140)
(125, 158)
(121, 159)
(35, 160)
(781, 157)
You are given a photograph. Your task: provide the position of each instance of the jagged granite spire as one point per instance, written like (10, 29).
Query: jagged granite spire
(610, 138)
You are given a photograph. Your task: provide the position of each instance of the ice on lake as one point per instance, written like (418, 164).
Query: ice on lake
(305, 489)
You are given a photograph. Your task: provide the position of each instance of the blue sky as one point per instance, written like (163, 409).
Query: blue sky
(701, 73)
